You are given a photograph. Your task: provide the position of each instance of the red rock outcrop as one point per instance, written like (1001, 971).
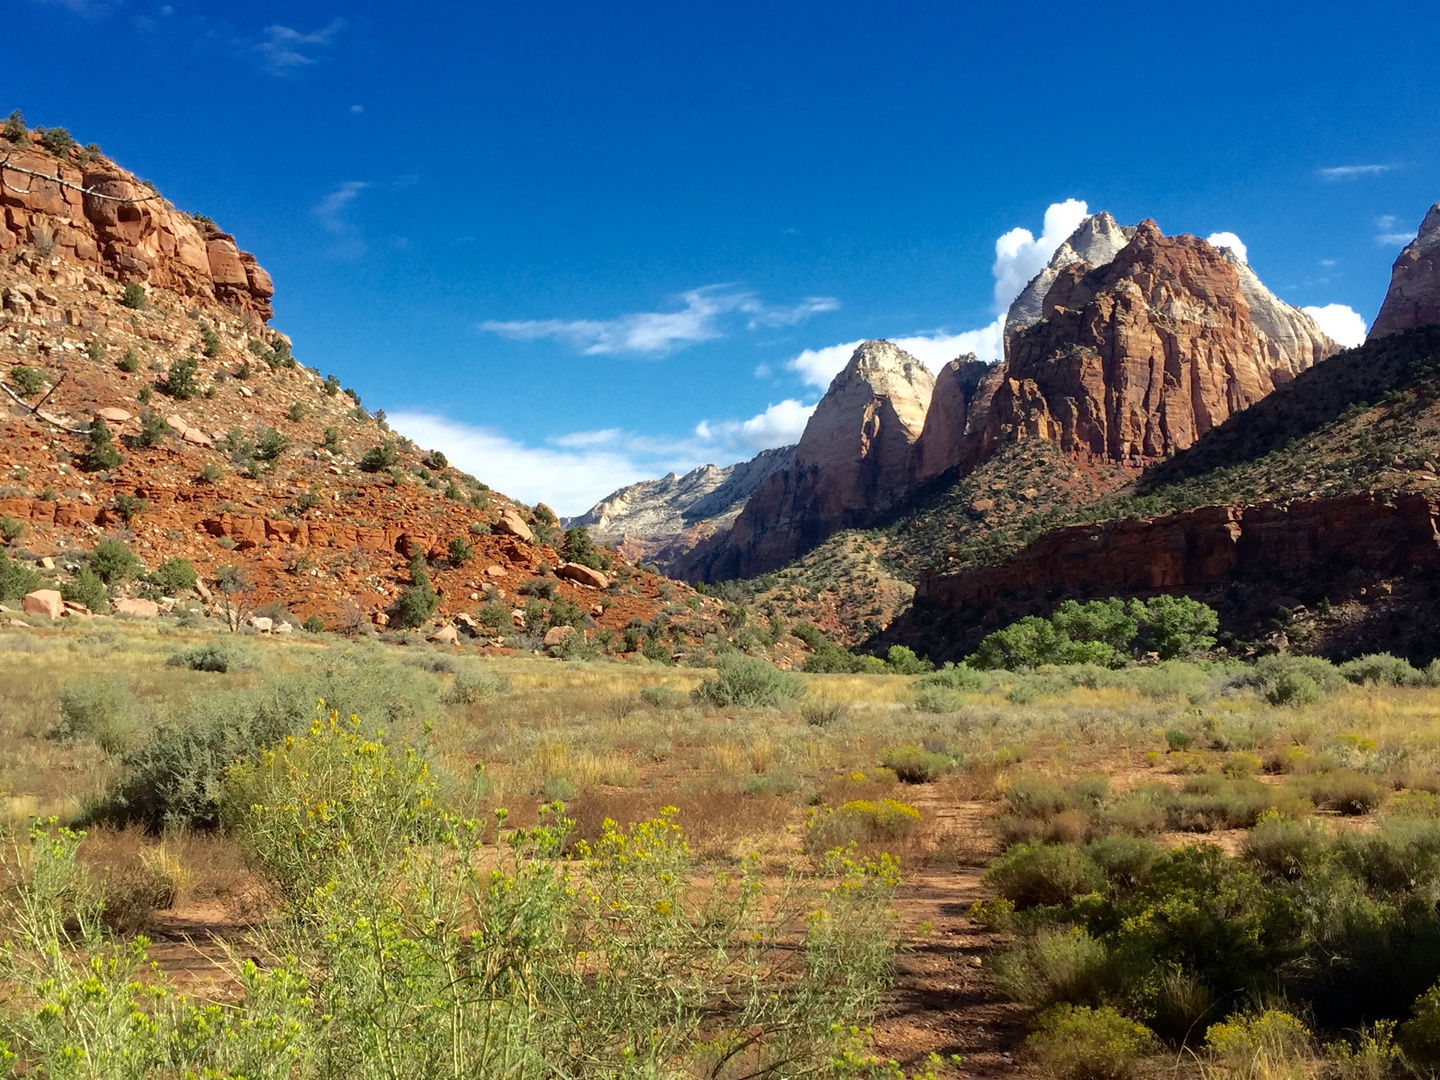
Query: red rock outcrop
(1201, 549)
(957, 416)
(87, 210)
(1139, 358)
(853, 461)
(1414, 296)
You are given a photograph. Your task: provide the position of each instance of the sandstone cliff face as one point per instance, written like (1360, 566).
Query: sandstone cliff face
(1413, 299)
(99, 216)
(958, 412)
(1137, 359)
(853, 461)
(662, 520)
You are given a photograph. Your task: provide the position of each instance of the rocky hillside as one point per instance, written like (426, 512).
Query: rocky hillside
(1413, 298)
(660, 521)
(147, 400)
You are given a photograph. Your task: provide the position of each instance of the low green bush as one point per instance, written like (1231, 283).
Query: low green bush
(662, 697)
(17, 579)
(98, 707)
(1054, 966)
(88, 590)
(1076, 1042)
(29, 380)
(174, 575)
(470, 686)
(181, 381)
(915, 764)
(113, 561)
(214, 656)
(1031, 875)
(750, 683)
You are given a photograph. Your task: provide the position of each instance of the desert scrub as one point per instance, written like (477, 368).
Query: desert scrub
(749, 682)
(471, 686)
(1075, 1042)
(616, 959)
(878, 820)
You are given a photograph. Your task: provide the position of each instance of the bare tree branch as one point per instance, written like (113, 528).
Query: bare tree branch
(35, 410)
(34, 174)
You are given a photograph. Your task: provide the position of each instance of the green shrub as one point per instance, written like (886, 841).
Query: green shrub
(209, 341)
(1382, 669)
(270, 444)
(58, 141)
(1102, 632)
(297, 412)
(1055, 966)
(17, 579)
(662, 697)
(749, 682)
(471, 686)
(415, 606)
(113, 561)
(824, 713)
(332, 440)
(1420, 1035)
(313, 624)
(15, 128)
(180, 381)
(1177, 740)
(1343, 790)
(30, 380)
(174, 575)
(1177, 626)
(1030, 875)
(213, 656)
(1284, 849)
(210, 472)
(1259, 1045)
(100, 452)
(87, 589)
(133, 298)
(101, 708)
(379, 458)
(10, 529)
(579, 547)
(915, 764)
(153, 429)
(543, 588)
(903, 661)
(1076, 1042)
(1125, 860)
(460, 551)
(860, 820)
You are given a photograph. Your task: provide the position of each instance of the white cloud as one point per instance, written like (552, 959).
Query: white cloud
(1019, 256)
(331, 209)
(1340, 322)
(1231, 241)
(284, 51)
(660, 332)
(779, 425)
(1349, 172)
(818, 366)
(570, 478)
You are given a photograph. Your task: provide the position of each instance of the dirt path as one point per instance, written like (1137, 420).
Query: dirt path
(943, 1001)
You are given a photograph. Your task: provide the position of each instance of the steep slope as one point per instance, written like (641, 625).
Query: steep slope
(661, 520)
(1094, 244)
(126, 318)
(1413, 298)
(854, 460)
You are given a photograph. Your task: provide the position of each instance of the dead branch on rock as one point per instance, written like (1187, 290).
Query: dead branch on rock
(88, 192)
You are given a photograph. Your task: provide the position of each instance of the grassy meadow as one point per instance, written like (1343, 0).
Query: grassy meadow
(414, 859)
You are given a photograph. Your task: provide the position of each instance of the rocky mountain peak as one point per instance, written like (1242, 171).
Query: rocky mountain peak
(1413, 299)
(1096, 242)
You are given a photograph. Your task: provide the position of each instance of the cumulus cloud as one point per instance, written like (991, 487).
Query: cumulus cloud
(659, 332)
(1231, 241)
(818, 366)
(1019, 256)
(285, 51)
(1340, 322)
(1350, 172)
(779, 425)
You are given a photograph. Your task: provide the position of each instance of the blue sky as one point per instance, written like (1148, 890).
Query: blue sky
(578, 244)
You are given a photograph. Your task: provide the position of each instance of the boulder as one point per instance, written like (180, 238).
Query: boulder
(583, 574)
(177, 423)
(261, 623)
(198, 437)
(47, 602)
(512, 524)
(446, 635)
(495, 571)
(112, 415)
(140, 609)
(283, 628)
(558, 635)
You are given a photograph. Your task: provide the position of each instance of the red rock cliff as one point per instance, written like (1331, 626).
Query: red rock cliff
(1413, 299)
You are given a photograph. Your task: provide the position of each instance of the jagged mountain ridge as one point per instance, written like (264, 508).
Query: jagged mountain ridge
(1127, 359)
(661, 520)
